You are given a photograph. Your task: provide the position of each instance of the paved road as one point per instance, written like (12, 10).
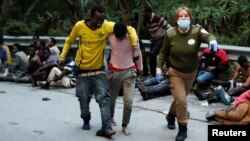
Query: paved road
(26, 117)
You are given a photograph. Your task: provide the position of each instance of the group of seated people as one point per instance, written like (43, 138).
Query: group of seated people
(38, 65)
(213, 63)
(228, 90)
(233, 90)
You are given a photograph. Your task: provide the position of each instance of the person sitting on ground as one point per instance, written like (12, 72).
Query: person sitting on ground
(54, 50)
(58, 77)
(34, 63)
(233, 87)
(40, 46)
(37, 72)
(20, 59)
(42, 74)
(238, 113)
(213, 62)
(19, 64)
(152, 88)
(34, 40)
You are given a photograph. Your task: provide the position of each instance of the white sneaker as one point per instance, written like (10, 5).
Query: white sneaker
(6, 72)
(204, 104)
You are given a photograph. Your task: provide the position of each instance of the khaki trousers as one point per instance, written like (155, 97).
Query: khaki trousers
(180, 85)
(65, 81)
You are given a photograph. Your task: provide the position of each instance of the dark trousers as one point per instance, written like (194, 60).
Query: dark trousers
(160, 89)
(154, 51)
(144, 59)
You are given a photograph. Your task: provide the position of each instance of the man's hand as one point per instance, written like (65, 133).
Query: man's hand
(158, 75)
(211, 68)
(135, 58)
(139, 73)
(230, 108)
(213, 46)
(202, 65)
(61, 63)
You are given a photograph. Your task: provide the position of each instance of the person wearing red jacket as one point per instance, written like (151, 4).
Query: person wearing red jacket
(213, 61)
(238, 113)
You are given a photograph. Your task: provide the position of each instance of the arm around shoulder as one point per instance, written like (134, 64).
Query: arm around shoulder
(132, 36)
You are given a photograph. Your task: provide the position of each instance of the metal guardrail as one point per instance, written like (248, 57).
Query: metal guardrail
(233, 51)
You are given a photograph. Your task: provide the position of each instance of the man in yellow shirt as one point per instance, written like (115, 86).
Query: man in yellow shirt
(91, 77)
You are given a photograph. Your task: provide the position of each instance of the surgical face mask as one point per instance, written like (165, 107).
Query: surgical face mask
(183, 23)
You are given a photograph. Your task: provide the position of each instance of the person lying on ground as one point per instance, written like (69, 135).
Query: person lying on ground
(151, 88)
(238, 113)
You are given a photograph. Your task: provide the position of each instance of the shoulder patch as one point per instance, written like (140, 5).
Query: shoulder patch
(197, 25)
(203, 30)
(196, 28)
(171, 32)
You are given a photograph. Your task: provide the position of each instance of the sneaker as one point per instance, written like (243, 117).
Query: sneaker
(198, 94)
(6, 72)
(227, 86)
(108, 133)
(233, 84)
(225, 97)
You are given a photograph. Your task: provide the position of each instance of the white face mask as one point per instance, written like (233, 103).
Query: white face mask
(183, 23)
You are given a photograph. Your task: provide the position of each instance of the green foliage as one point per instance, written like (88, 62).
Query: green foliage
(34, 27)
(228, 19)
(56, 32)
(229, 40)
(245, 35)
(16, 28)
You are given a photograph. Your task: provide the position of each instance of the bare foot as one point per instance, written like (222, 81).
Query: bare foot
(126, 131)
(113, 123)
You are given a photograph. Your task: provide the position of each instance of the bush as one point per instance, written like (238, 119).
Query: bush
(16, 28)
(56, 32)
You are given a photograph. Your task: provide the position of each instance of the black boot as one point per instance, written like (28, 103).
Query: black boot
(171, 121)
(182, 134)
(86, 125)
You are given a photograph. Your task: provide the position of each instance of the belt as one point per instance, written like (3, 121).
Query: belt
(91, 73)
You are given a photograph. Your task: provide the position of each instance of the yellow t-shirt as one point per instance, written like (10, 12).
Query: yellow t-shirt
(9, 59)
(92, 43)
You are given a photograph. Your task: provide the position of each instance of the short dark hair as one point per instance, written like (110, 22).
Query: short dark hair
(242, 59)
(53, 40)
(120, 29)
(17, 45)
(99, 8)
